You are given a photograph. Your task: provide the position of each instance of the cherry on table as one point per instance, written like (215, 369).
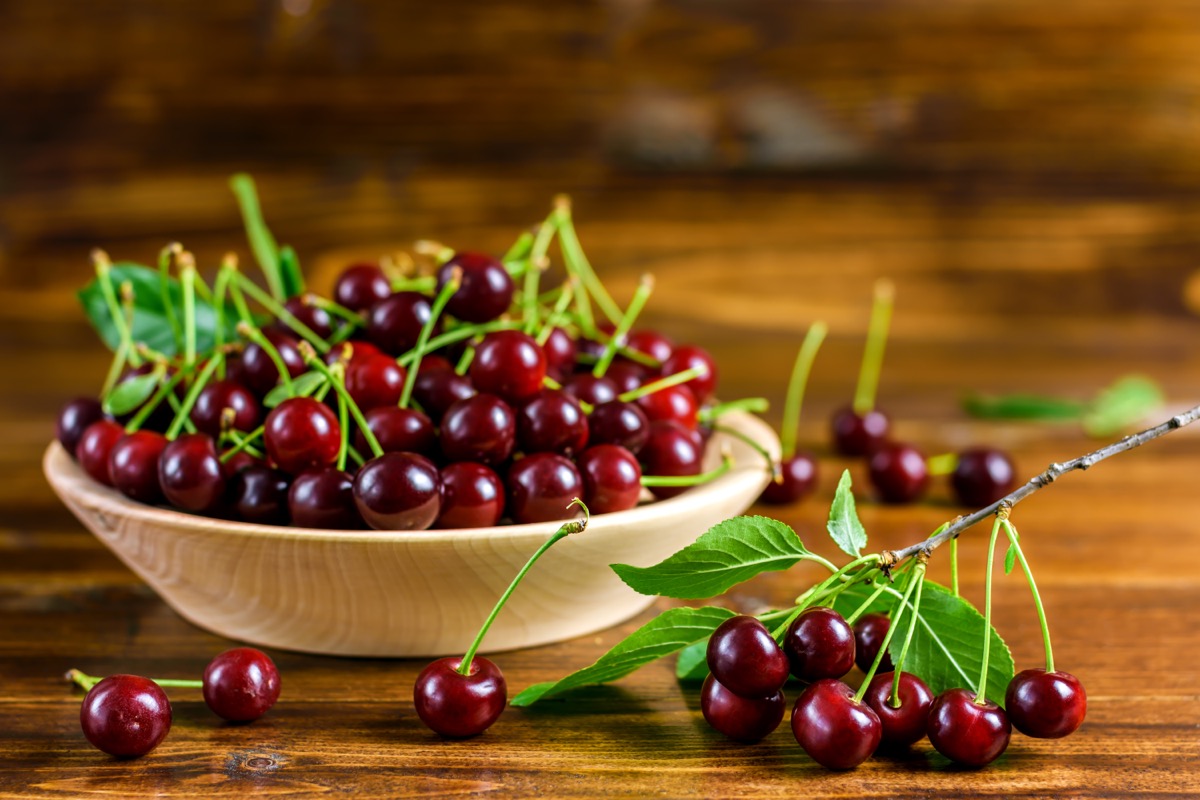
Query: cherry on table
(374, 381)
(302, 434)
(258, 371)
(479, 428)
(485, 291)
(857, 434)
(689, 356)
(324, 498)
(552, 422)
(395, 323)
(125, 715)
(438, 389)
(361, 286)
(982, 476)
(869, 632)
(458, 705)
(899, 473)
(671, 450)
(797, 478)
(398, 430)
(671, 404)
(1045, 705)
(618, 423)
(745, 659)
(74, 418)
(510, 365)
(94, 447)
(541, 487)
(398, 492)
(133, 465)
(906, 724)
(819, 644)
(743, 719)
(191, 475)
(612, 478)
(836, 731)
(966, 732)
(218, 395)
(472, 496)
(259, 494)
(241, 684)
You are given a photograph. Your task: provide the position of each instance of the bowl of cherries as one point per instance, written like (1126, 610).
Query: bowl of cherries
(361, 473)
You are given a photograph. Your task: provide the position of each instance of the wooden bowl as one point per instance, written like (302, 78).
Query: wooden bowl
(403, 593)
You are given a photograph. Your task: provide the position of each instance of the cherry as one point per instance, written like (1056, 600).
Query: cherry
(480, 428)
(552, 422)
(94, 447)
(745, 659)
(133, 465)
(307, 313)
(486, 290)
(589, 389)
(259, 494)
(612, 478)
(869, 633)
(509, 364)
(74, 418)
(618, 423)
(324, 498)
(472, 496)
(905, 725)
(541, 487)
(399, 492)
(671, 450)
(438, 389)
(969, 733)
(218, 395)
(361, 286)
(837, 731)
(241, 684)
(458, 705)
(302, 434)
(651, 343)
(395, 323)
(374, 381)
(743, 719)
(797, 478)
(672, 404)
(359, 350)
(627, 376)
(560, 354)
(819, 644)
(258, 370)
(239, 461)
(432, 362)
(898, 472)
(190, 473)
(686, 357)
(1045, 705)
(982, 476)
(857, 434)
(399, 430)
(125, 715)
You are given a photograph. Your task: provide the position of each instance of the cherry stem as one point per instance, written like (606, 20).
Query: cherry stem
(187, 277)
(520, 248)
(241, 442)
(435, 312)
(915, 578)
(554, 319)
(533, 272)
(220, 290)
(464, 361)
(344, 421)
(439, 252)
(185, 408)
(698, 371)
(457, 335)
(872, 363)
(573, 254)
(255, 335)
(277, 310)
(166, 257)
(114, 368)
(86, 682)
(773, 465)
(160, 394)
(942, 464)
(690, 480)
(337, 310)
(1015, 543)
(313, 360)
(858, 612)
(795, 391)
(103, 268)
(565, 530)
(755, 405)
(981, 695)
(262, 242)
(819, 591)
(640, 296)
(908, 637)
(954, 567)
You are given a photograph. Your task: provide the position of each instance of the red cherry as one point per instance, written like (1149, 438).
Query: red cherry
(398, 430)
(375, 381)
(74, 418)
(627, 376)
(258, 371)
(302, 434)
(125, 715)
(510, 365)
(869, 633)
(259, 494)
(686, 357)
(552, 422)
(480, 428)
(308, 313)
(133, 466)
(589, 389)
(857, 434)
(398, 492)
(742, 655)
(560, 354)
(541, 487)
(671, 450)
(969, 733)
(395, 323)
(612, 478)
(982, 476)
(898, 472)
(459, 705)
(1045, 705)
(361, 286)
(904, 725)
(619, 423)
(472, 496)
(486, 289)
(438, 389)
(797, 479)
(241, 684)
(95, 446)
(324, 498)
(672, 404)
(835, 730)
(191, 474)
(218, 395)
(650, 343)
(743, 719)
(819, 644)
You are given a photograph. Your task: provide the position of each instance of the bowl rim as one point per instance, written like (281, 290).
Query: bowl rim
(67, 478)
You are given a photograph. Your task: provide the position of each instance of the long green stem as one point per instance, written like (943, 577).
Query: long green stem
(255, 335)
(187, 276)
(241, 442)
(314, 361)
(689, 480)
(877, 332)
(954, 567)
(640, 296)
(520, 248)
(912, 626)
(190, 400)
(457, 335)
(286, 317)
(166, 257)
(755, 405)
(435, 312)
(115, 368)
(155, 401)
(915, 578)
(819, 591)
(795, 391)
(344, 422)
(1015, 543)
(86, 682)
(262, 242)
(981, 694)
(663, 383)
(554, 319)
(533, 272)
(573, 253)
(103, 268)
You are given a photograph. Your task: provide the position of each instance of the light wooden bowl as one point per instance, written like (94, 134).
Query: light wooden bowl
(393, 593)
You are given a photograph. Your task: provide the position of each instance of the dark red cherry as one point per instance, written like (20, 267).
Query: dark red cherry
(191, 475)
(906, 724)
(687, 356)
(241, 684)
(628, 376)
(670, 450)
(260, 494)
(398, 492)
(431, 362)
(324, 498)
(672, 404)
(541, 486)
(745, 659)
(125, 715)
(651, 343)
(982, 476)
(399, 430)
(375, 381)
(857, 434)
(619, 423)
(612, 478)
(302, 434)
(133, 466)
(552, 422)
(743, 719)
(560, 354)
(459, 705)
(163, 414)
(819, 644)
(1045, 705)
(308, 313)
(218, 395)
(74, 418)
(966, 732)
(361, 286)
(438, 389)
(359, 350)
(95, 446)
(833, 728)
(258, 371)
(239, 461)
(481, 428)
(898, 472)
(587, 388)
(510, 365)
(394, 324)
(486, 290)
(472, 496)
(869, 633)
(797, 479)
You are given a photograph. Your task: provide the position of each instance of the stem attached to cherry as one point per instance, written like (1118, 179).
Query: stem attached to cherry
(877, 332)
(795, 391)
(313, 360)
(663, 383)
(435, 313)
(915, 579)
(1015, 543)
(86, 682)
(981, 694)
(644, 289)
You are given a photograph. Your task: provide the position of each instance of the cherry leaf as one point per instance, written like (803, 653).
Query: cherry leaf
(844, 525)
(692, 664)
(129, 394)
(302, 386)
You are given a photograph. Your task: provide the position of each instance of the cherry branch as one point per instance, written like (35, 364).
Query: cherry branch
(1051, 474)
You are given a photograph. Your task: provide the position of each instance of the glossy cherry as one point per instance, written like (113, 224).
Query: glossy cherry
(324, 498)
(869, 632)
(982, 476)
(857, 434)
(671, 450)
(552, 422)
(904, 725)
(398, 492)
(481, 428)
(125, 715)
(375, 381)
(969, 733)
(672, 404)
(688, 356)
(190, 474)
(259, 494)
(218, 395)
(438, 389)
(651, 343)
(743, 719)
(819, 644)
(745, 659)
(1045, 705)
(541, 487)
(241, 684)
(304, 308)
(797, 478)
(74, 418)
(472, 496)
(628, 376)
(302, 434)
(399, 430)
(835, 730)
(510, 365)
(133, 466)
(485, 291)
(394, 324)
(239, 461)
(619, 423)
(612, 478)
(95, 446)
(360, 286)
(589, 389)
(898, 472)
(258, 371)
(560, 354)
(458, 705)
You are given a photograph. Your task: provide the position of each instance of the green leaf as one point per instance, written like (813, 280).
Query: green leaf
(727, 554)
(289, 272)
(302, 386)
(1022, 406)
(692, 664)
(667, 633)
(1126, 402)
(150, 322)
(947, 646)
(129, 394)
(844, 525)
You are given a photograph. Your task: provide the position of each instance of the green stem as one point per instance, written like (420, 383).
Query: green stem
(573, 254)
(981, 694)
(220, 290)
(954, 567)
(640, 297)
(86, 682)
(858, 612)
(277, 310)
(689, 480)
(115, 368)
(877, 332)
(464, 361)
(457, 335)
(795, 391)
(663, 383)
(255, 335)
(166, 257)
(104, 278)
(337, 310)
(1015, 543)
(187, 276)
(262, 242)
(241, 442)
(344, 421)
(755, 405)
(160, 394)
(533, 272)
(314, 361)
(520, 248)
(190, 400)
(821, 589)
(772, 464)
(556, 314)
(942, 464)
(435, 313)
(916, 577)
(912, 626)
(567, 528)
